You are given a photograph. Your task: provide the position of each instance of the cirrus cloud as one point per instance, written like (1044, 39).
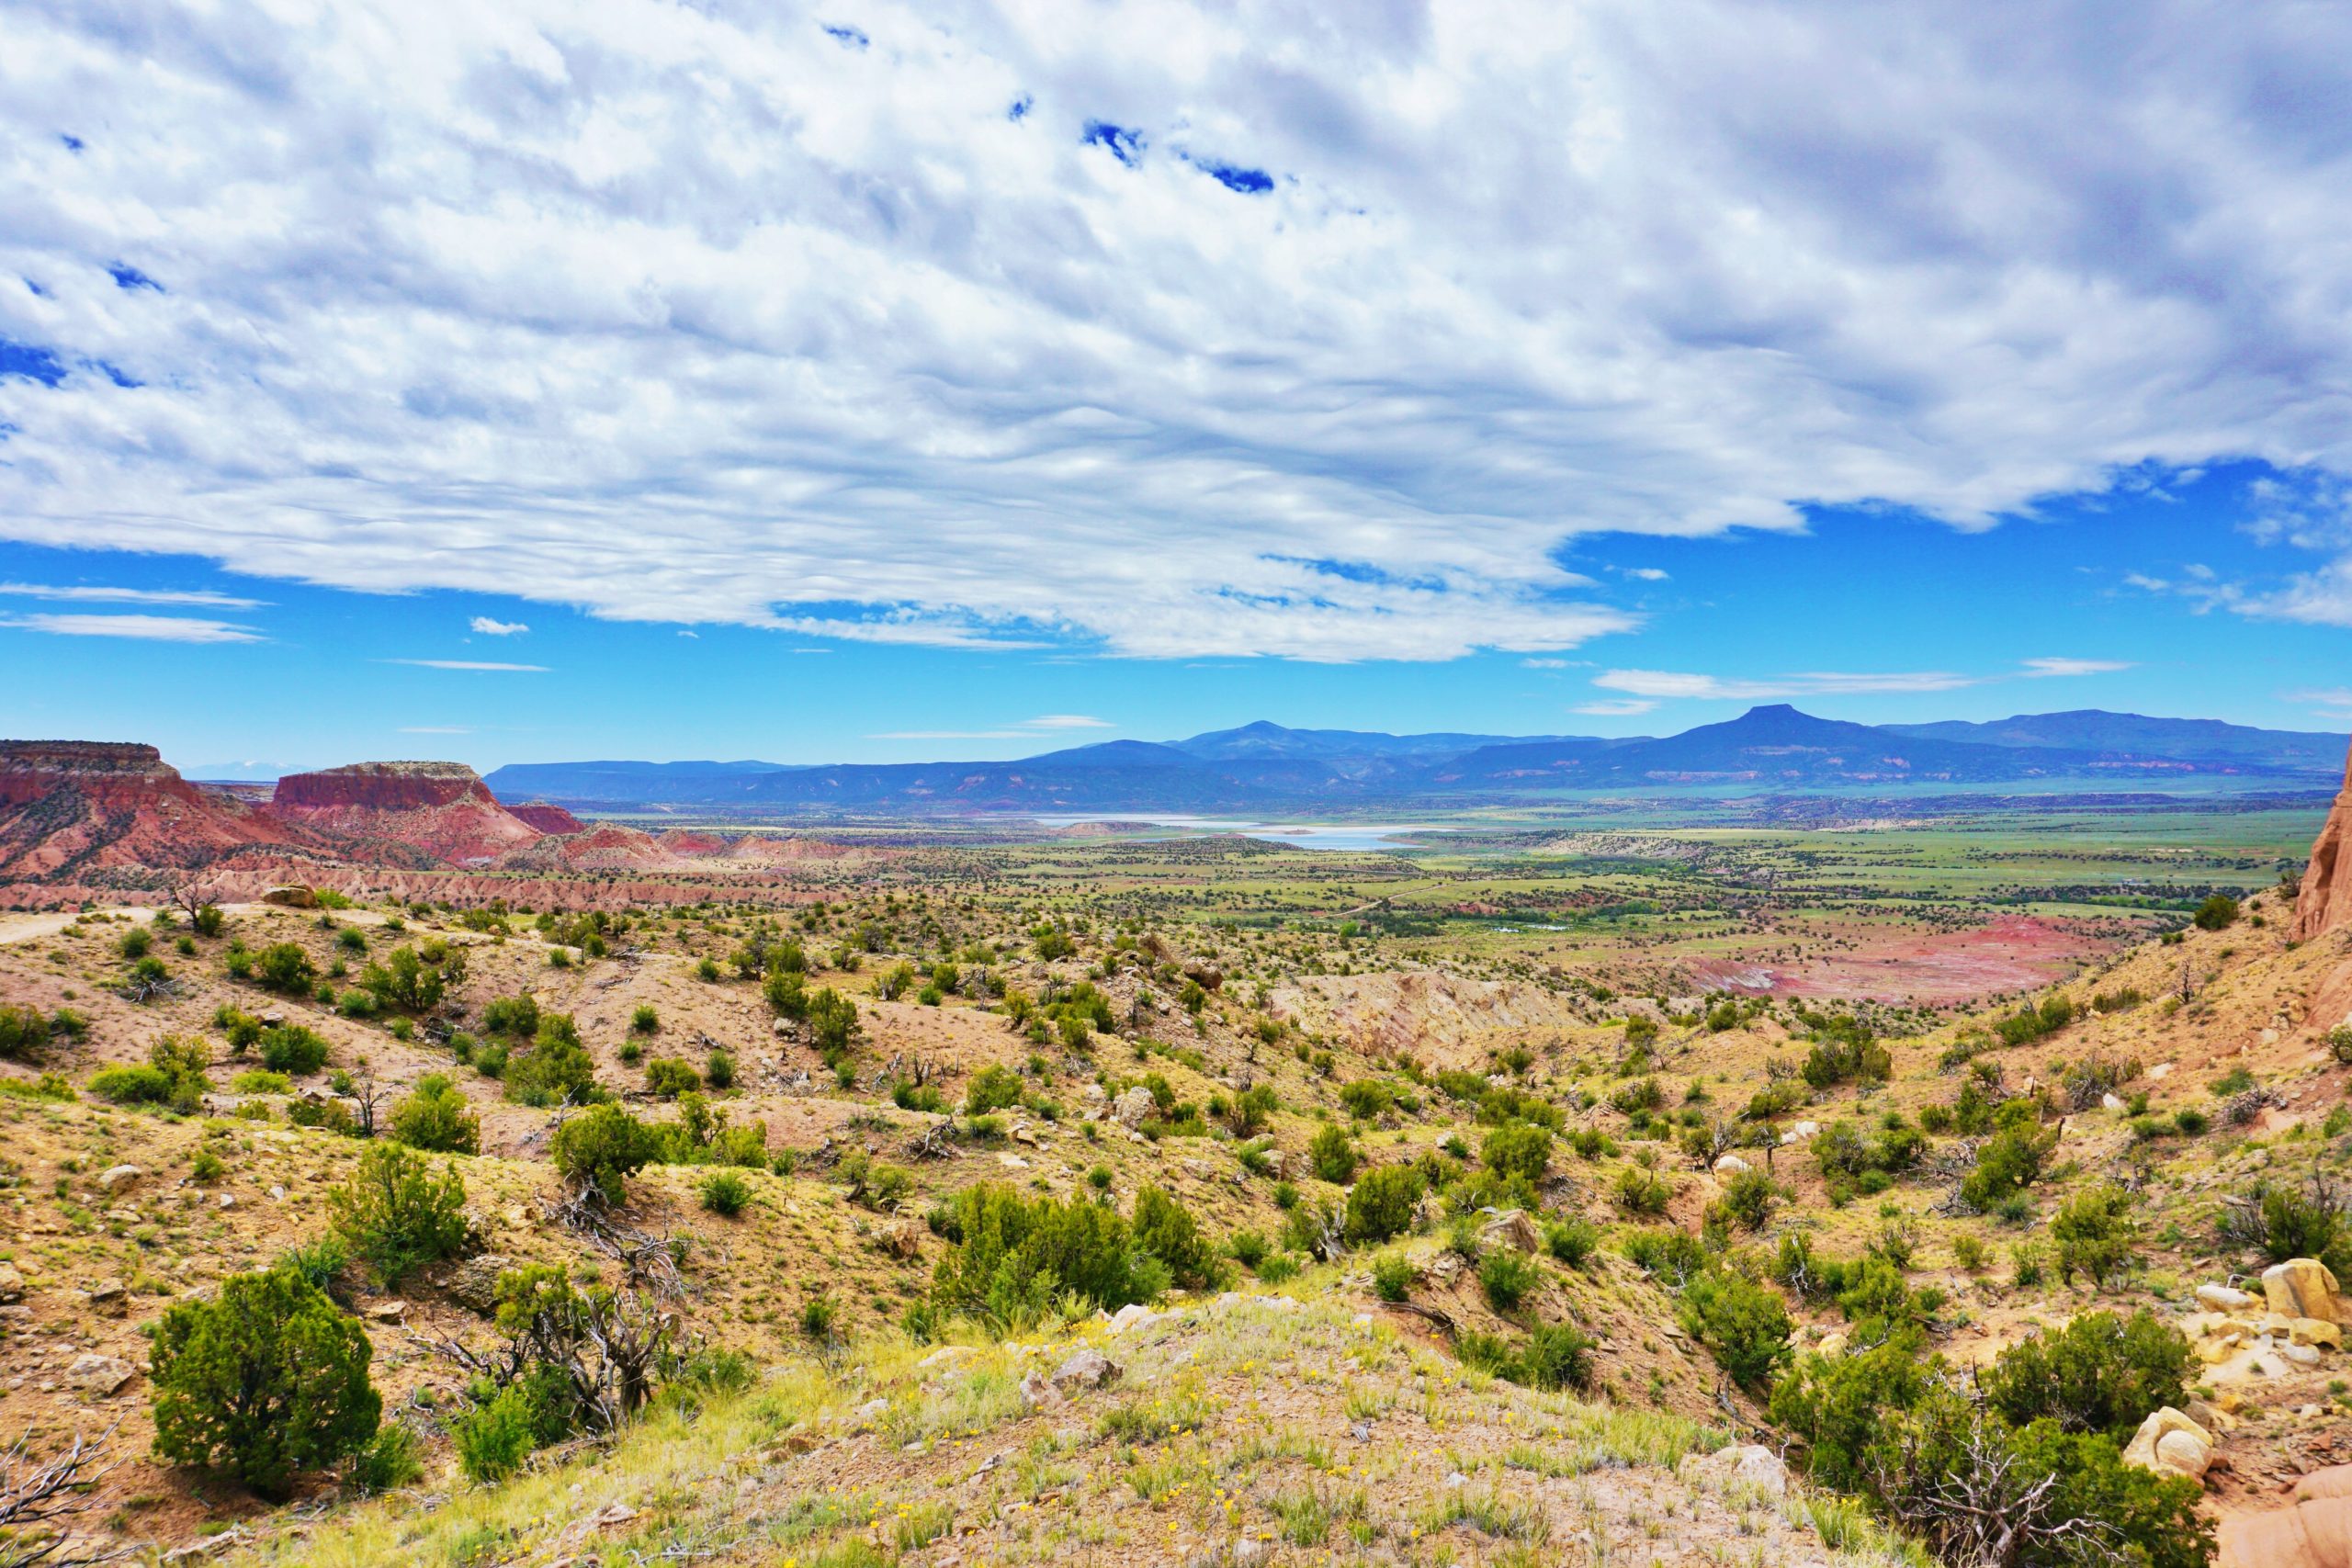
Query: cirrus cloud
(141, 628)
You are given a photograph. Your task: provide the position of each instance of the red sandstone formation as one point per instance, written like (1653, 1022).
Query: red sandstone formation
(443, 809)
(72, 808)
(548, 818)
(2324, 900)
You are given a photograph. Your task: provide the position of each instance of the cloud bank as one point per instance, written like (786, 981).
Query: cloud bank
(1266, 329)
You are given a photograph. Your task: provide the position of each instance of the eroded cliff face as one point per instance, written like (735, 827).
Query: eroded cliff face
(75, 808)
(548, 818)
(383, 786)
(2324, 901)
(443, 809)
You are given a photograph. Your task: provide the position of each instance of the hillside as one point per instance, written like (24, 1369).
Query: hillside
(1301, 1413)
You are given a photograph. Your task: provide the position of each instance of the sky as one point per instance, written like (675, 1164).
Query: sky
(611, 379)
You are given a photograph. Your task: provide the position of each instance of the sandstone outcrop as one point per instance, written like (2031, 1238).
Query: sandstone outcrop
(442, 809)
(2324, 900)
(548, 818)
(2171, 1444)
(80, 809)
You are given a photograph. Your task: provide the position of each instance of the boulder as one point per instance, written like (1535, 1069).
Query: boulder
(2222, 1298)
(473, 1284)
(1511, 1228)
(1132, 1107)
(1732, 1164)
(2170, 1443)
(1132, 1315)
(2316, 1534)
(100, 1377)
(1035, 1392)
(119, 1178)
(1086, 1369)
(12, 1284)
(900, 1238)
(1748, 1465)
(2302, 1287)
(291, 897)
(2312, 1331)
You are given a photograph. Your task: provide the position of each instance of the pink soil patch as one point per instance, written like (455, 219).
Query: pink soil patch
(2014, 952)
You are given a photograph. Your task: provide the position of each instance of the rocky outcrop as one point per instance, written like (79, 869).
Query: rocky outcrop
(2324, 900)
(2317, 1532)
(548, 818)
(80, 809)
(442, 809)
(2171, 1444)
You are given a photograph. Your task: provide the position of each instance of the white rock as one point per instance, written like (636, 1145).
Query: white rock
(2222, 1298)
(1748, 1465)
(114, 1178)
(1732, 1164)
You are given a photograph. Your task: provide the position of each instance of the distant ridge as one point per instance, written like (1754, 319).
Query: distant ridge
(1264, 766)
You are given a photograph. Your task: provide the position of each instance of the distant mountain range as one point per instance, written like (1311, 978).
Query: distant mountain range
(1264, 766)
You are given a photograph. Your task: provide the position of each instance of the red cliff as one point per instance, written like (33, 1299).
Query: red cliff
(548, 818)
(2324, 901)
(69, 808)
(443, 809)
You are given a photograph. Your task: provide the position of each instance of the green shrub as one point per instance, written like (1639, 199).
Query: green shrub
(1366, 1097)
(292, 1049)
(2218, 912)
(719, 1070)
(389, 1461)
(1518, 1150)
(1557, 1356)
(668, 1077)
(1381, 1204)
(2099, 1374)
(493, 1440)
(1509, 1277)
(1392, 1277)
(1747, 1202)
(2095, 1234)
(516, 1016)
(1166, 1231)
(2011, 1159)
(992, 1088)
(645, 1019)
(1743, 1325)
(266, 1380)
(131, 1086)
(1572, 1240)
(1640, 1192)
(285, 968)
(601, 1149)
(1013, 1257)
(395, 1215)
(557, 1071)
(725, 1193)
(1332, 1155)
(436, 1118)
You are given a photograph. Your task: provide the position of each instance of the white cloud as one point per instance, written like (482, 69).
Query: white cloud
(2336, 702)
(469, 664)
(1043, 725)
(1065, 721)
(1615, 708)
(192, 597)
(1822, 683)
(1545, 663)
(692, 315)
(1645, 573)
(2042, 669)
(489, 627)
(145, 628)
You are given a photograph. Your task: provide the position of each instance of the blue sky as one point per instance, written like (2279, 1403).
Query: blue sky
(2125, 604)
(968, 381)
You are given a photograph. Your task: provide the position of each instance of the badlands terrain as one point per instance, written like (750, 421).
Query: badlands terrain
(399, 1175)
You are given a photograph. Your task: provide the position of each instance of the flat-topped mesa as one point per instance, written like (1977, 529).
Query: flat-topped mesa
(548, 818)
(383, 786)
(2323, 901)
(32, 769)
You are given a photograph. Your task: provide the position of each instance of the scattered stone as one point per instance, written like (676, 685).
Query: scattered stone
(1132, 1107)
(2170, 1443)
(1742, 1464)
(12, 1283)
(612, 1516)
(473, 1284)
(100, 1377)
(108, 1290)
(1086, 1369)
(1511, 1228)
(900, 1238)
(2112, 1102)
(1035, 1392)
(1132, 1315)
(942, 1356)
(387, 1312)
(114, 1178)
